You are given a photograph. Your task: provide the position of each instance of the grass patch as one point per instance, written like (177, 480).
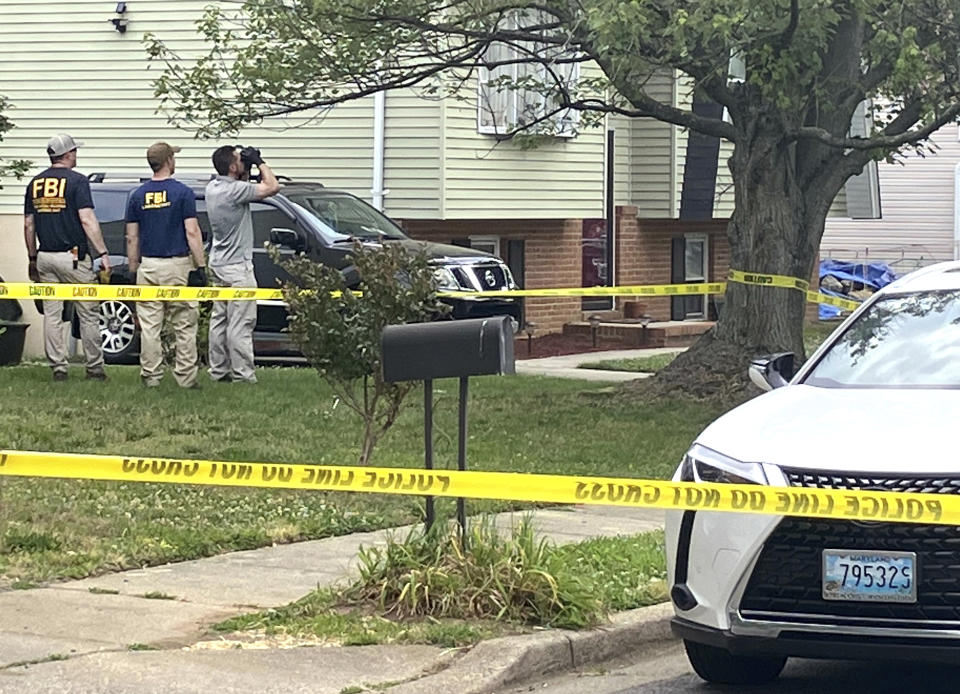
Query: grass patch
(425, 589)
(650, 364)
(157, 595)
(324, 616)
(103, 591)
(141, 647)
(813, 335)
(53, 529)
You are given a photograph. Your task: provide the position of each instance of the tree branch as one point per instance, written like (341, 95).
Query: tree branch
(895, 135)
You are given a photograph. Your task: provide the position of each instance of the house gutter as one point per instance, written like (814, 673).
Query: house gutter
(379, 147)
(956, 212)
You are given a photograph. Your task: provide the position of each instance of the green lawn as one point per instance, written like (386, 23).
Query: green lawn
(639, 364)
(53, 529)
(813, 335)
(591, 579)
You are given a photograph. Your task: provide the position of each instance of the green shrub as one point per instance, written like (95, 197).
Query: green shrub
(520, 578)
(339, 331)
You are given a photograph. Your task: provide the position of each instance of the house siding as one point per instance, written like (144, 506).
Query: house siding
(623, 158)
(413, 170)
(651, 155)
(483, 177)
(101, 92)
(917, 204)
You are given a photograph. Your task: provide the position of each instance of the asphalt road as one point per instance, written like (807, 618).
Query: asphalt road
(663, 669)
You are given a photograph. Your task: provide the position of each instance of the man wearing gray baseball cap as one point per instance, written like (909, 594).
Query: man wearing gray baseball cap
(58, 213)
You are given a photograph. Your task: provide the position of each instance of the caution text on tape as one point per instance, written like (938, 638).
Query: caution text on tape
(510, 486)
(119, 292)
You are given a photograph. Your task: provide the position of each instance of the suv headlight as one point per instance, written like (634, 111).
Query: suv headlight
(445, 279)
(702, 464)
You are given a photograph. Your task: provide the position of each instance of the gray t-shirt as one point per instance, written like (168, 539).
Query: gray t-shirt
(228, 207)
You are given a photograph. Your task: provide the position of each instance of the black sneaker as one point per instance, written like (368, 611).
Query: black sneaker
(59, 376)
(96, 376)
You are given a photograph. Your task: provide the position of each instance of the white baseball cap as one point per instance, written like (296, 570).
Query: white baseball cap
(61, 144)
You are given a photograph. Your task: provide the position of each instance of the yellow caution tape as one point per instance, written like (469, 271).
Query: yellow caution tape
(819, 298)
(630, 290)
(768, 280)
(756, 278)
(130, 292)
(122, 292)
(562, 489)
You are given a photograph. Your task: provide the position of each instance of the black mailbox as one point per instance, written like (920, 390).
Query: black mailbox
(448, 349)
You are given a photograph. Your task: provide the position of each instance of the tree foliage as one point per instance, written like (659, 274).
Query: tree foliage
(339, 331)
(807, 62)
(16, 167)
(790, 76)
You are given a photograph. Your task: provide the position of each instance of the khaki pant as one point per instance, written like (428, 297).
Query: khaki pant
(182, 317)
(231, 326)
(58, 268)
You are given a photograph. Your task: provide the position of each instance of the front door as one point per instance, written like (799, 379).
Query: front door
(689, 265)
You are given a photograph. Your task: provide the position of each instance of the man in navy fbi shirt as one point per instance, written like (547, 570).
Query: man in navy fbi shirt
(164, 245)
(58, 214)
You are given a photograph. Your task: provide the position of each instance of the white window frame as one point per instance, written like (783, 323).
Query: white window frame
(705, 239)
(566, 124)
(486, 240)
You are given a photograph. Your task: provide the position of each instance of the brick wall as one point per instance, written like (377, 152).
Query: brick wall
(552, 258)
(643, 253)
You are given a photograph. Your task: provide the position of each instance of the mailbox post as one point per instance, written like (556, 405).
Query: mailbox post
(447, 349)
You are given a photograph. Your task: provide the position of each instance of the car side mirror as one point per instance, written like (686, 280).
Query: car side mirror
(287, 238)
(772, 371)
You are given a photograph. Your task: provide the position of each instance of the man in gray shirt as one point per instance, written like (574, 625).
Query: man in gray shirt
(228, 198)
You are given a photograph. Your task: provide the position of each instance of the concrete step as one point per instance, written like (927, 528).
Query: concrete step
(631, 333)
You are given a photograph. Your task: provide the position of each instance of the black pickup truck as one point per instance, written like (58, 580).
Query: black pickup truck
(304, 217)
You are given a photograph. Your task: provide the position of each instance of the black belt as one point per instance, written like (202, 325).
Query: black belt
(166, 257)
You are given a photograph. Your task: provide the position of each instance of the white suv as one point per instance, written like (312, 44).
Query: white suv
(877, 407)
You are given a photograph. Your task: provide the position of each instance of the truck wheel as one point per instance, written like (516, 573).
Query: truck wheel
(719, 666)
(119, 332)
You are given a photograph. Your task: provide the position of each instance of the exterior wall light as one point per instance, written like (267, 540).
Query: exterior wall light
(120, 22)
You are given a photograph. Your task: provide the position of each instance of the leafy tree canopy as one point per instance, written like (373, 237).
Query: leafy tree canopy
(806, 63)
(789, 74)
(17, 167)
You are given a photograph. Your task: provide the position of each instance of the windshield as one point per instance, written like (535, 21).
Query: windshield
(346, 216)
(909, 341)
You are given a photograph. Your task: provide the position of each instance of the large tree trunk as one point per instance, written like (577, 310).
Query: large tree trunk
(775, 229)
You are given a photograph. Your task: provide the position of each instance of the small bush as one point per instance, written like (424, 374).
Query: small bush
(15, 540)
(339, 331)
(519, 579)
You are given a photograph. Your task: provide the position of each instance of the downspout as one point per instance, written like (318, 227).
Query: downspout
(379, 147)
(956, 212)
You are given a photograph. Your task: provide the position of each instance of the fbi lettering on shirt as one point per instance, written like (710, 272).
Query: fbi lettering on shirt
(49, 195)
(155, 200)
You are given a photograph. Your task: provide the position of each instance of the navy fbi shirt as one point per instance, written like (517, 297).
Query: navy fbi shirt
(160, 208)
(54, 198)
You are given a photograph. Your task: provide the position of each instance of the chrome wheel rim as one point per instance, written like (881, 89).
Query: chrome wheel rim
(117, 326)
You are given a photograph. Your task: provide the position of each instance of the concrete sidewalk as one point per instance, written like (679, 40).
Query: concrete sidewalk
(102, 618)
(568, 365)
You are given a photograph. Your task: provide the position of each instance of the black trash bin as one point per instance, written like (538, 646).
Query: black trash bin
(12, 332)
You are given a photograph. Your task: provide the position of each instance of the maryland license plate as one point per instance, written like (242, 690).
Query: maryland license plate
(868, 576)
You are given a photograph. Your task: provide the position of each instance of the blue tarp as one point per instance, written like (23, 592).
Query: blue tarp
(873, 275)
